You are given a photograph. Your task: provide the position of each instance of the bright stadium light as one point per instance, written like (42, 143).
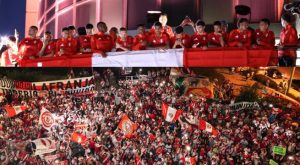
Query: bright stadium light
(154, 12)
(3, 40)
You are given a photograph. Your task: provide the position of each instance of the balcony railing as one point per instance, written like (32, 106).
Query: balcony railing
(213, 57)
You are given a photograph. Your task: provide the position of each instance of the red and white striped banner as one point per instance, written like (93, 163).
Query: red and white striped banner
(15, 110)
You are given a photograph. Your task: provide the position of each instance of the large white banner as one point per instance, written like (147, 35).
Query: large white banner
(33, 89)
(149, 58)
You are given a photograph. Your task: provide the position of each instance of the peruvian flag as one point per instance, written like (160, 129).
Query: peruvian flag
(46, 119)
(14, 110)
(203, 125)
(170, 114)
(44, 146)
(78, 138)
(189, 161)
(127, 126)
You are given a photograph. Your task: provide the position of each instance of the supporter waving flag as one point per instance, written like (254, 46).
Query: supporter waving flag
(15, 110)
(78, 138)
(170, 114)
(46, 119)
(43, 146)
(203, 125)
(189, 161)
(127, 126)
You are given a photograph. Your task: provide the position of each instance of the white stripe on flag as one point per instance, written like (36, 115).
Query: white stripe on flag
(171, 113)
(208, 127)
(18, 109)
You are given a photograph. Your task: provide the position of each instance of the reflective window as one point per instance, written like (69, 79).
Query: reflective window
(65, 3)
(86, 13)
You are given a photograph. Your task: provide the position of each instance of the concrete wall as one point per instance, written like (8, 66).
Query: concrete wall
(112, 12)
(32, 7)
(217, 10)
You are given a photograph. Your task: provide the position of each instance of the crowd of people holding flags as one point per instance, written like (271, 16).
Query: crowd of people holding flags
(144, 122)
(85, 40)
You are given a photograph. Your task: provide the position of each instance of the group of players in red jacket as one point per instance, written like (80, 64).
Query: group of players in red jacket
(160, 36)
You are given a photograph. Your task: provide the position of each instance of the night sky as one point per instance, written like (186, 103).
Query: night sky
(12, 15)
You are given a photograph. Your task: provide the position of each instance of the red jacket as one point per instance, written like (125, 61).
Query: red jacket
(200, 39)
(214, 39)
(288, 37)
(126, 44)
(69, 45)
(85, 42)
(50, 48)
(236, 36)
(267, 39)
(158, 41)
(185, 41)
(101, 42)
(30, 47)
(138, 39)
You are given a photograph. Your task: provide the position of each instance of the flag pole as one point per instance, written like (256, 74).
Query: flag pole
(291, 80)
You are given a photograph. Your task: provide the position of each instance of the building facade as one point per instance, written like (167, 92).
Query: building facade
(53, 15)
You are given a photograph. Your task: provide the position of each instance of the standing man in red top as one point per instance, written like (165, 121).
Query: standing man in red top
(124, 41)
(89, 29)
(49, 45)
(102, 42)
(163, 19)
(158, 40)
(241, 37)
(216, 38)
(30, 47)
(140, 40)
(67, 45)
(180, 40)
(84, 40)
(200, 38)
(114, 33)
(224, 28)
(264, 38)
(288, 37)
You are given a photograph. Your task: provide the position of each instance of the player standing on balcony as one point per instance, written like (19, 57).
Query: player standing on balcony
(84, 40)
(216, 38)
(163, 19)
(140, 40)
(49, 45)
(241, 37)
(158, 39)
(30, 47)
(102, 42)
(180, 40)
(264, 38)
(67, 45)
(124, 41)
(200, 38)
(288, 37)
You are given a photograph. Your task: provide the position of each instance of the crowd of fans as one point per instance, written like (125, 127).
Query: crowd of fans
(245, 137)
(85, 40)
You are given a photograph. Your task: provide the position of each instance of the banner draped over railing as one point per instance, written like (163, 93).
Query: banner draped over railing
(212, 57)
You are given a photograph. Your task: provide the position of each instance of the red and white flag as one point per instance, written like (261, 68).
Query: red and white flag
(203, 125)
(170, 114)
(44, 146)
(15, 110)
(78, 138)
(189, 161)
(127, 126)
(46, 119)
